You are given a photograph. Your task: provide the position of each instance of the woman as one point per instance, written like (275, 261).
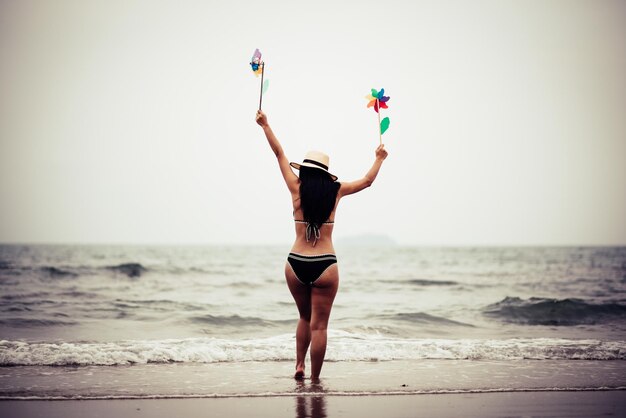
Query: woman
(311, 269)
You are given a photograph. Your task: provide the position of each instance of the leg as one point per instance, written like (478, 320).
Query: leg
(322, 297)
(302, 295)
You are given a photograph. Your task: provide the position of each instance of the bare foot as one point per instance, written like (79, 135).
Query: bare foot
(299, 372)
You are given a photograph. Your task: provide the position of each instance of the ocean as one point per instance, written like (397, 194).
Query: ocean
(102, 322)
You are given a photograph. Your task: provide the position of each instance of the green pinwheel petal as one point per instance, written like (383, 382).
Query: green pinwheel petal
(266, 85)
(374, 93)
(384, 125)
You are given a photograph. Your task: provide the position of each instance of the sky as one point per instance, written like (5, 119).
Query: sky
(132, 122)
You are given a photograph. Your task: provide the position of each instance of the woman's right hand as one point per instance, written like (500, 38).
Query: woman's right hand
(381, 153)
(261, 119)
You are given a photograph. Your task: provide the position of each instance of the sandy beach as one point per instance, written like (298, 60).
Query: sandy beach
(509, 404)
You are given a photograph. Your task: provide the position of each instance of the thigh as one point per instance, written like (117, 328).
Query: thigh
(300, 292)
(322, 296)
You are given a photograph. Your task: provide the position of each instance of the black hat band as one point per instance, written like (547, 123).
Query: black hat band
(325, 167)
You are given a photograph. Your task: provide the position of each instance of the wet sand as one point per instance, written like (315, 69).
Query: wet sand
(183, 380)
(509, 404)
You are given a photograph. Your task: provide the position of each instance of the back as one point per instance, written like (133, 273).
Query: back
(312, 235)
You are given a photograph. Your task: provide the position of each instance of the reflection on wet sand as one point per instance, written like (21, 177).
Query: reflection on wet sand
(311, 400)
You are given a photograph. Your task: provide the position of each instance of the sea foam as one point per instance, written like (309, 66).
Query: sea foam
(343, 346)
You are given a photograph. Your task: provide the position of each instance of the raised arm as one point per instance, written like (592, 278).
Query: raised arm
(358, 185)
(290, 177)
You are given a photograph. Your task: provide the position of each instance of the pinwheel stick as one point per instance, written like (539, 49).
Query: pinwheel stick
(262, 72)
(380, 129)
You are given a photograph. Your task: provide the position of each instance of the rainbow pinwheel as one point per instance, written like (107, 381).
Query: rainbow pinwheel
(258, 67)
(378, 100)
(256, 63)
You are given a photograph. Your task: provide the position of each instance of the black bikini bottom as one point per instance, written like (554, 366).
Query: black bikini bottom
(309, 268)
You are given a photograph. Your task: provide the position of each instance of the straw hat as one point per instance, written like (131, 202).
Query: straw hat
(315, 159)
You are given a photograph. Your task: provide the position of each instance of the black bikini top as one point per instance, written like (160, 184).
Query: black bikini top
(312, 229)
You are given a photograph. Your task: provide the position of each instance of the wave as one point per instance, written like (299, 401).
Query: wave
(57, 272)
(79, 294)
(132, 270)
(22, 296)
(27, 396)
(50, 271)
(424, 282)
(543, 311)
(161, 305)
(422, 318)
(234, 320)
(129, 269)
(34, 322)
(343, 346)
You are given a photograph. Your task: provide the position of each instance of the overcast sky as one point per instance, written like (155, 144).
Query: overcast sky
(133, 121)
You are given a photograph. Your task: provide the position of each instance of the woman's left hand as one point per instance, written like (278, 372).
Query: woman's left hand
(261, 119)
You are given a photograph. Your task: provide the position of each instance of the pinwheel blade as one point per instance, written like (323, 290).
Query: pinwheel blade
(384, 125)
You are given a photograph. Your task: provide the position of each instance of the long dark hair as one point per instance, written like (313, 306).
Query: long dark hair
(318, 193)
